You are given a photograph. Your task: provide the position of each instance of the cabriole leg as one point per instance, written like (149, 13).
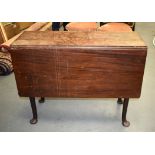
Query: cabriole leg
(124, 112)
(34, 120)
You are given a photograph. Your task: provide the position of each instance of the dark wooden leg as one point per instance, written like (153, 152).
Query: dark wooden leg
(42, 100)
(124, 112)
(34, 120)
(119, 101)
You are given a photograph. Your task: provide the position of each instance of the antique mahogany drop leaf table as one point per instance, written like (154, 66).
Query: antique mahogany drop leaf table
(79, 65)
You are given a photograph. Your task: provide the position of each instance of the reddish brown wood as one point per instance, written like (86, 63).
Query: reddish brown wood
(83, 64)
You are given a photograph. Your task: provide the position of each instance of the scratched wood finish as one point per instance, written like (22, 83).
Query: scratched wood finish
(80, 65)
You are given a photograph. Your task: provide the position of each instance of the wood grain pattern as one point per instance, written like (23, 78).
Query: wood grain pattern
(80, 65)
(69, 38)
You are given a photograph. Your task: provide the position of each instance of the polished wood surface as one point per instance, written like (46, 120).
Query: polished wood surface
(79, 65)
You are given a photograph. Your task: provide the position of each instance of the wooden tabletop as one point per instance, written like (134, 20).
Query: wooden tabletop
(79, 39)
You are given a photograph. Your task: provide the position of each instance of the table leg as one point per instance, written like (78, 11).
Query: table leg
(34, 120)
(119, 101)
(124, 112)
(42, 100)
